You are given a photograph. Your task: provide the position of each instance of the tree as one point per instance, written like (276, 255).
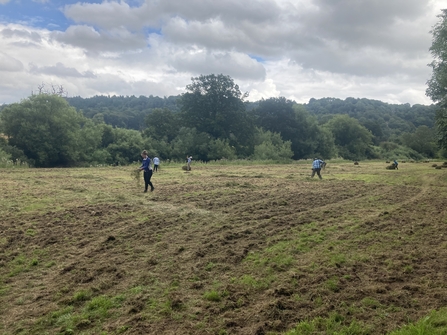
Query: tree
(213, 104)
(423, 140)
(270, 146)
(278, 116)
(351, 138)
(161, 124)
(45, 128)
(437, 84)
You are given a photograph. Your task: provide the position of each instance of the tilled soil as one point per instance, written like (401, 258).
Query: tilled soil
(275, 247)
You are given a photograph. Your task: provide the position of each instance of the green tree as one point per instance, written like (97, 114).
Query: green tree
(270, 146)
(213, 104)
(437, 84)
(45, 128)
(126, 147)
(190, 142)
(162, 123)
(423, 140)
(351, 138)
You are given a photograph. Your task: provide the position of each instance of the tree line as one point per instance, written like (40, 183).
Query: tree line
(212, 120)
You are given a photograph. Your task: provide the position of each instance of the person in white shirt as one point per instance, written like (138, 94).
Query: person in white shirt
(188, 163)
(156, 161)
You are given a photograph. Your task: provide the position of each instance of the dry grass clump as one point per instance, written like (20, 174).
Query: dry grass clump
(434, 165)
(391, 167)
(136, 175)
(185, 168)
(356, 163)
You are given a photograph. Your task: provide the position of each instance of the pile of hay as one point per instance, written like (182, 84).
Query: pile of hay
(356, 163)
(185, 168)
(391, 167)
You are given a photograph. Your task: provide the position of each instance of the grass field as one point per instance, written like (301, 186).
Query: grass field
(231, 249)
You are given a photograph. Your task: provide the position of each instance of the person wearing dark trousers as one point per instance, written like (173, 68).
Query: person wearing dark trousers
(147, 168)
(156, 161)
(316, 167)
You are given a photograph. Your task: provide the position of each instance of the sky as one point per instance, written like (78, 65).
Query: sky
(298, 49)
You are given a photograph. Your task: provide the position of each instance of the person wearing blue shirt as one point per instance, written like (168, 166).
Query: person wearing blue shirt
(396, 164)
(147, 168)
(316, 167)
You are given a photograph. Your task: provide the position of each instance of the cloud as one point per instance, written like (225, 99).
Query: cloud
(113, 14)
(60, 70)
(2, 2)
(236, 65)
(93, 41)
(9, 64)
(298, 49)
(20, 34)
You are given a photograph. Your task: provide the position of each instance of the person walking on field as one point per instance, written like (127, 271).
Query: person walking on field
(156, 163)
(316, 167)
(147, 168)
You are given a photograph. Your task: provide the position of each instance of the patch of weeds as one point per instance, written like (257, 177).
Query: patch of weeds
(3, 288)
(34, 262)
(30, 232)
(332, 284)
(18, 265)
(82, 295)
(99, 307)
(209, 266)
(214, 295)
(334, 324)
(257, 284)
(50, 264)
(337, 260)
(408, 269)
(318, 301)
(371, 303)
(136, 289)
(297, 297)
(433, 324)
(123, 329)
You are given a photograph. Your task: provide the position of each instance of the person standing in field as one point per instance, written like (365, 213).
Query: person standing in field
(396, 164)
(147, 168)
(156, 163)
(316, 167)
(188, 162)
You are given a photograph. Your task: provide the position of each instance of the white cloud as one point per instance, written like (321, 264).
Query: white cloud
(298, 49)
(60, 70)
(93, 41)
(2, 2)
(9, 64)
